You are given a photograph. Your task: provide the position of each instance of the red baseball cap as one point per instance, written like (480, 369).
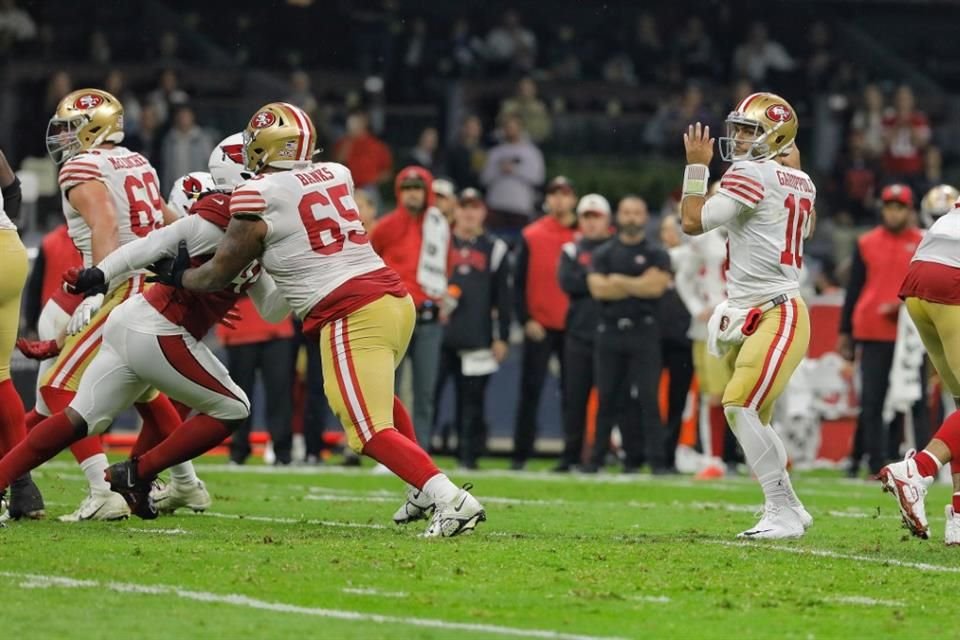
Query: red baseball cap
(897, 193)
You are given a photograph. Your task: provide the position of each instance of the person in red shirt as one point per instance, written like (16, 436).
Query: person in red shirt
(881, 260)
(398, 239)
(367, 157)
(906, 134)
(541, 306)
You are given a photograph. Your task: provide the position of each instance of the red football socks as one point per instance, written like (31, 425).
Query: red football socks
(160, 418)
(13, 428)
(927, 465)
(34, 418)
(718, 430)
(402, 421)
(194, 437)
(44, 441)
(402, 456)
(57, 400)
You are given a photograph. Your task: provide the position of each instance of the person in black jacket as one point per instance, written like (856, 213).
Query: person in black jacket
(473, 344)
(628, 278)
(593, 211)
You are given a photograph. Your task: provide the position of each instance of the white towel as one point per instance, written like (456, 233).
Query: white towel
(908, 355)
(725, 328)
(432, 268)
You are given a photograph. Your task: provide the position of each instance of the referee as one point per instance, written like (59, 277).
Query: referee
(629, 276)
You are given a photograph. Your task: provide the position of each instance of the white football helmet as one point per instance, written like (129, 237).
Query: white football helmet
(188, 188)
(226, 163)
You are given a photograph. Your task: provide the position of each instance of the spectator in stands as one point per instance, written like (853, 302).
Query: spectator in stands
(906, 134)
(513, 174)
(881, 258)
(511, 46)
(593, 214)
(465, 50)
(413, 240)
(168, 48)
(868, 119)
(445, 197)
(531, 110)
(821, 60)
(98, 48)
(257, 345)
(16, 26)
(465, 159)
(674, 116)
(368, 212)
(739, 90)
(541, 307)
(59, 84)
(473, 343)
(693, 47)
(116, 83)
(168, 95)
(856, 176)
(426, 153)
(147, 138)
(758, 56)
(628, 277)
(416, 51)
(300, 93)
(932, 169)
(676, 348)
(367, 157)
(649, 51)
(565, 55)
(186, 147)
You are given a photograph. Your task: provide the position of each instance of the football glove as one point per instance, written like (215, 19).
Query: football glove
(83, 313)
(170, 271)
(86, 281)
(38, 349)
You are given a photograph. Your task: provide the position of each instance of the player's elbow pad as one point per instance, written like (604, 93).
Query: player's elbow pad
(12, 196)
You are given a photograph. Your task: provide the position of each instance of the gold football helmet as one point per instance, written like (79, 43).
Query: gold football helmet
(84, 119)
(761, 127)
(278, 135)
(938, 201)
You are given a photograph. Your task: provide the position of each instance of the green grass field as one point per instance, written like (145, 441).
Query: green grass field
(313, 553)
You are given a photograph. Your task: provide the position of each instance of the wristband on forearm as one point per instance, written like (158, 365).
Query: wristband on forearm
(696, 177)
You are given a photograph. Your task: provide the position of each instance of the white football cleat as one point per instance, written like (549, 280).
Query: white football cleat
(172, 496)
(458, 517)
(903, 480)
(805, 518)
(778, 522)
(99, 505)
(417, 507)
(952, 534)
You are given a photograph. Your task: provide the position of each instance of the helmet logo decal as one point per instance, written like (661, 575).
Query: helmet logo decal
(192, 186)
(234, 151)
(88, 101)
(779, 113)
(263, 119)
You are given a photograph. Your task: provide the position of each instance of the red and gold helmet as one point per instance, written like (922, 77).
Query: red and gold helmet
(84, 119)
(278, 135)
(938, 201)
(761, 127)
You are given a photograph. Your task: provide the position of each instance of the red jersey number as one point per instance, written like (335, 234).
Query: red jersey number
(146, 205)
(798, 211)
(316, 222)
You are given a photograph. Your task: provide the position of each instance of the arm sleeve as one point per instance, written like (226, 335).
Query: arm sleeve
(572, 275)
(268, 300)
(248, 200)
(718, 211)
(10, 204)
(80, 169)
(520, 281)
(503, 299)
(743, 183)
(201, 237)
(858, 276)
(33, 292)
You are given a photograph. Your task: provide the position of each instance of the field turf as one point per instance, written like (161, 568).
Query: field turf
(312, 553)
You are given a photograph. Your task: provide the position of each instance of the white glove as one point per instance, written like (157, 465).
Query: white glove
(83, 313)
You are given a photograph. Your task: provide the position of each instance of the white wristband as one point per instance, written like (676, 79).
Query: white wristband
(696, 177)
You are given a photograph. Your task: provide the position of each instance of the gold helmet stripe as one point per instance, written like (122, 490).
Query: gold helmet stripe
(304, 143)
(746, 101)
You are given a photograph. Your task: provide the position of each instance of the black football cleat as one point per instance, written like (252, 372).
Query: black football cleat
(25, 499)
(123, 479)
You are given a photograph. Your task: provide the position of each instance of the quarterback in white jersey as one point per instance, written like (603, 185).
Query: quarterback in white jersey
(300, 220)
(766, 207)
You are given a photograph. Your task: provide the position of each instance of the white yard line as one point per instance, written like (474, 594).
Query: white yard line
(237, 600)
(826, 553)
(326, 523)
(866, 601)
(168, 532)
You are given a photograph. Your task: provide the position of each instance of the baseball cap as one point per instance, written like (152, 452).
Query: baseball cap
(593, 202)
(470, 195)
(560, 182)
(443, 187)
(897, 193)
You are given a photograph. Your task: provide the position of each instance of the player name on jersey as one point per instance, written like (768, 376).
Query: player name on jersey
(323, 174)
(793, 181)
(128, 162)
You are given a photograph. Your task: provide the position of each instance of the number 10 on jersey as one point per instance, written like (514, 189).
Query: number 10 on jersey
(798, 212)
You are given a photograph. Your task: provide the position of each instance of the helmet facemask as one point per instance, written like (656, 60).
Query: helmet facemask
(749, 136)
(63, 137)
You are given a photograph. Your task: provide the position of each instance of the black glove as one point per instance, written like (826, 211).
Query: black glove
(89, 282)
(170, 271)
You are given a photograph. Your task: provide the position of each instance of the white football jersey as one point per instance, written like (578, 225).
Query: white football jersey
(133, 186)
(315, 241)
(5, 222)
(941, 240)
(766, 236)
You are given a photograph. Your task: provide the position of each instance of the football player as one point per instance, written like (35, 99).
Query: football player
(110, 197)
(187, 189)
(300, 220)
(933, 302)
(154, 341)
(13, 264)
(766, 206)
